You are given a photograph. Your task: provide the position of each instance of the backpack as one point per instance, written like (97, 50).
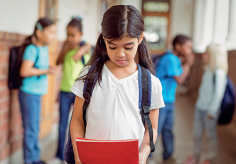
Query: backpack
(144, 104)
(155, 60)
(227, 106)
(15, 61)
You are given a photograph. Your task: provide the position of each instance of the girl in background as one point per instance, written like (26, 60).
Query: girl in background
(113, 112)
(34, 70)
(73, 57)
(211, 93)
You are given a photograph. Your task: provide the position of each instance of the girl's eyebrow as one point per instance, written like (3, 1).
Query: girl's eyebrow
(129, 43)
(124, 44)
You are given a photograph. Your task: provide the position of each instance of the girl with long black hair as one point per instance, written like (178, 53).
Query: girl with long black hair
(113, 112)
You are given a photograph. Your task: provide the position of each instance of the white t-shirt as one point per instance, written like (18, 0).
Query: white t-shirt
(113, 112)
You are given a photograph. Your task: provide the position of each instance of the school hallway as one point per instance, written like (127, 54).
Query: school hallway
(184, 137)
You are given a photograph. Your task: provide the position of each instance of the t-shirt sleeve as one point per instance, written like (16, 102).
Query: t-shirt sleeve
(157, 99)
(30, 53)
(78, 86)
(173, 66)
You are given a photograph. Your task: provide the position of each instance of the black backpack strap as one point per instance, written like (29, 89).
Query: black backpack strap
(146, 102)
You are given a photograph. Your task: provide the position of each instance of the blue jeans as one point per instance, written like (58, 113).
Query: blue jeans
(203, 123)
(66, 100)
(165, 127)
(30, 111)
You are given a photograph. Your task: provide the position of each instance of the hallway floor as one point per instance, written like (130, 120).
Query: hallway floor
(183, 137)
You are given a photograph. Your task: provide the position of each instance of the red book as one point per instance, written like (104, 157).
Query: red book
(108, 151)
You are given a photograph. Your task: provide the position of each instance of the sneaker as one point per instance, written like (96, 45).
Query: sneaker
(191, 160)
(206, 162)
(55, 161)
(151, 161)
(170, 160)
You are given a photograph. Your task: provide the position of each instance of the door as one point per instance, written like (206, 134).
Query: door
(48, 8)
(156, 14)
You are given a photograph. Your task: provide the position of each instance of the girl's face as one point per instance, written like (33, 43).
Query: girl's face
(205, 58)
(48, 35)
(73, 35)
(122, 52)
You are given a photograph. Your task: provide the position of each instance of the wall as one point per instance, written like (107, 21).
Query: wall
(136, 3)
(88, 9)
(181, 17)
(13, 16)
(10, 115)
(18, 16)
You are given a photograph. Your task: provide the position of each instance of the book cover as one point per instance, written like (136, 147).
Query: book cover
(108, 151)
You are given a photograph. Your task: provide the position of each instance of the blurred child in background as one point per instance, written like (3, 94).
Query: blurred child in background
(211, 92)
(74, 55)
(34, 70)
(172, 72)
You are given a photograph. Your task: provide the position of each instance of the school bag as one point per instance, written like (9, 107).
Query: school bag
(156, 60)
(15, 61)
(227, 106)
(145, 89)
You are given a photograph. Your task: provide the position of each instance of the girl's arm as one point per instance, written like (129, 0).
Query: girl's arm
(82, 50)
(77, 125)
(27, 69)
(145, 149)
(62, 54)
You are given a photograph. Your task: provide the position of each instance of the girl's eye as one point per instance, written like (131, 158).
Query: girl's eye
(112, 48)
(130, 48)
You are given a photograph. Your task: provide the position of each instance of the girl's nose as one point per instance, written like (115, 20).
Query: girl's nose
(120, 54)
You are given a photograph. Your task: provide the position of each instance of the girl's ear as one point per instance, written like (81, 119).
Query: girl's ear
(141, 38)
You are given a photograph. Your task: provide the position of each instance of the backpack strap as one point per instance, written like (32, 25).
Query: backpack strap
(145, 88)
(82, 43)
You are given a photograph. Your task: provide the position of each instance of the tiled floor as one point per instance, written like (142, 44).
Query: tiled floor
(183, 137)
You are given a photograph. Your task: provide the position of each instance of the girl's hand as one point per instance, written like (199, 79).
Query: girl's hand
(53, 70)
(142, 158)
(77, 160)
(77, 56)
(210, 116)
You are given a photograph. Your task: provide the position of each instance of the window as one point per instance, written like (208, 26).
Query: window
(156, 14)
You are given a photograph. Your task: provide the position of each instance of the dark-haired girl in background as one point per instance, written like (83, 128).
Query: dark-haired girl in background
(113, 112)
(34, 70)
(73, 56)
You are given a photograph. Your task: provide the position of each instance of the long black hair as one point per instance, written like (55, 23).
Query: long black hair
(41, 24)
(117, 22)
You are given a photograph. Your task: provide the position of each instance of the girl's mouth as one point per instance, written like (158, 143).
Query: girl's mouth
(121, 61)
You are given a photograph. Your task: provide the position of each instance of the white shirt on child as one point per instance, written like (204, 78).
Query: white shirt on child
(210, 94)
(113, 112)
